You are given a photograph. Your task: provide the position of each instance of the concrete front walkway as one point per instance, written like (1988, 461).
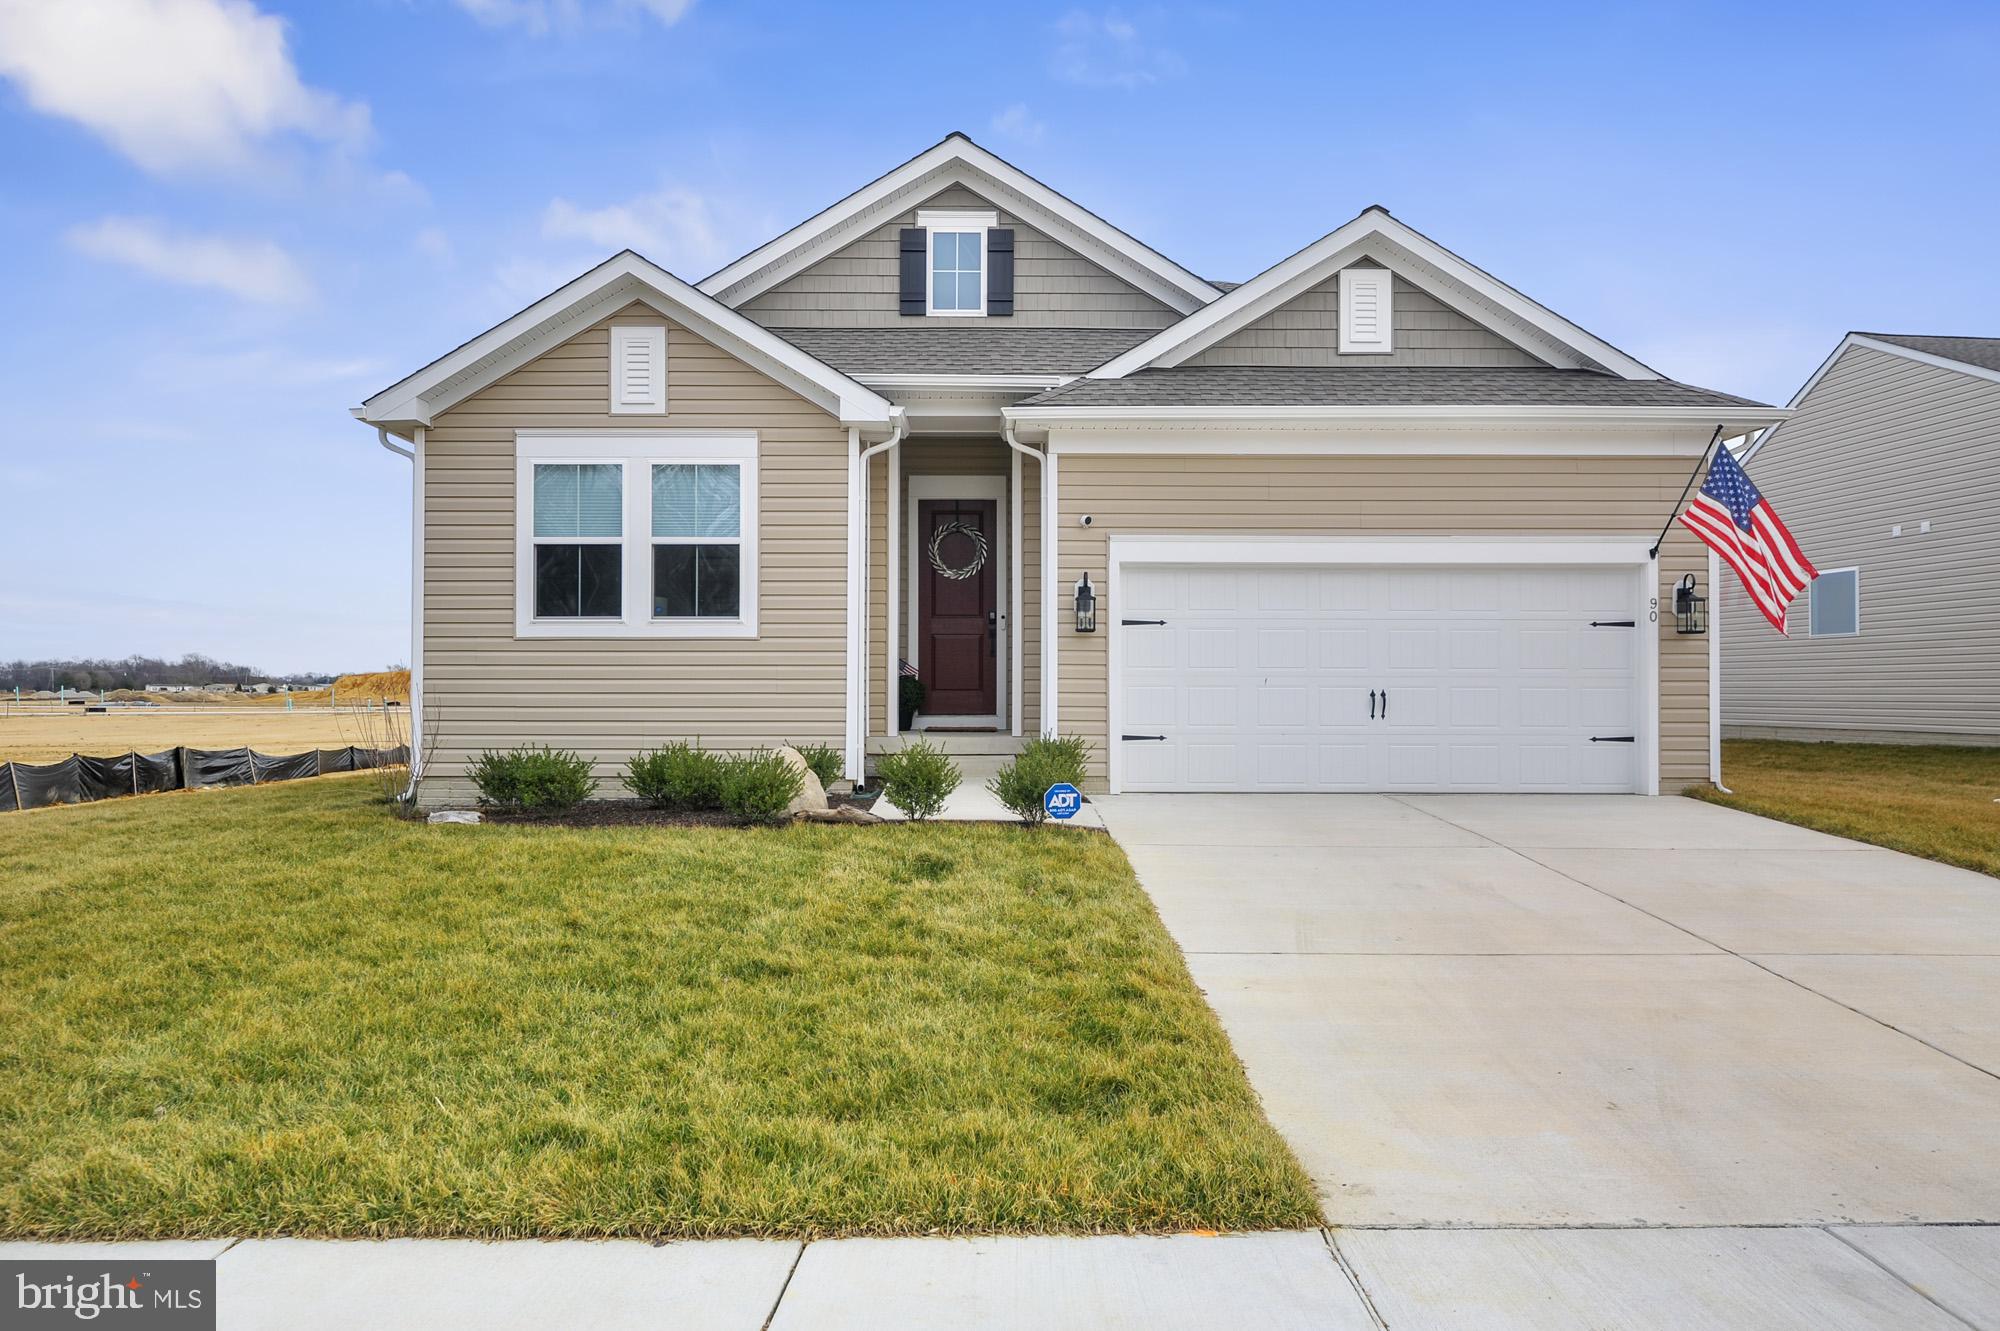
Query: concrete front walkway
(1606, 1061)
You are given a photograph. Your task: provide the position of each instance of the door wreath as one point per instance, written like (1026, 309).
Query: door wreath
(956, 527)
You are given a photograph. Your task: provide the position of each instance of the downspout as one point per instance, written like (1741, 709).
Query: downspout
(1715, 678)
(892, 557)
(415, 454)
(1017, 657)
(857, 591)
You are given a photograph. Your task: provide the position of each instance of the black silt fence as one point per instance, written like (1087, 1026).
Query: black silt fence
(80, 779)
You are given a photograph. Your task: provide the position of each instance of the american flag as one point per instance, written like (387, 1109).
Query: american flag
(1733, 519)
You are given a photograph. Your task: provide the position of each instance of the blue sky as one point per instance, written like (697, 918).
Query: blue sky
(226, 222)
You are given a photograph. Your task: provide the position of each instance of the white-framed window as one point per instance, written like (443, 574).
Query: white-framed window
(955, 281)
(1833, 603)
(637, 533)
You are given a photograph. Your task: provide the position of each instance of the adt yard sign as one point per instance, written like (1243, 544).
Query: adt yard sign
(1062, 800)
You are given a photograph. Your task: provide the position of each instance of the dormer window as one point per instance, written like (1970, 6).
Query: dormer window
(957, 268)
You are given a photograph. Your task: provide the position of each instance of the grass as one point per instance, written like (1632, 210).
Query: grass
(280, 1011)
(1931, 800)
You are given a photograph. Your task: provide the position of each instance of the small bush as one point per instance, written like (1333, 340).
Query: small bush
(1042, 763)
(678, 777)
(918, 778)
(540, 779)
(758, 787)
(825, 760)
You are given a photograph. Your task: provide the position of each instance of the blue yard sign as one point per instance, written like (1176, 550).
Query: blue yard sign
(1062, 800)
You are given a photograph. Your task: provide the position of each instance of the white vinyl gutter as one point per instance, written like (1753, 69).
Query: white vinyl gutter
(415, 454)
(857, 592)
(1016, 651)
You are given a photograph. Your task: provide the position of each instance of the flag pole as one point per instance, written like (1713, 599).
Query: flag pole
(1654, 553)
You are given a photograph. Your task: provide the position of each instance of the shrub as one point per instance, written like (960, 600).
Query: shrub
(541, 779)
(758, 787)
(825, 760)
(918, 778)
(679, 777)
(1042, 763)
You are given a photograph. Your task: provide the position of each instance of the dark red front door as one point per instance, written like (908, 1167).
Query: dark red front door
(956, 650)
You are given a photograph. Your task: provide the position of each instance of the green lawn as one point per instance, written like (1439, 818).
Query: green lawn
(1931, 800)
(281, 1011)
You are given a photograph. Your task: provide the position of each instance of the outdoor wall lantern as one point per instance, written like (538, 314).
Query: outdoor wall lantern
(1690, 610)
(1086, 606)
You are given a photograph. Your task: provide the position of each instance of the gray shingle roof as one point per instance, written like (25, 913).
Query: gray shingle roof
(963, 347)
(1981, 351)
(1376, 385)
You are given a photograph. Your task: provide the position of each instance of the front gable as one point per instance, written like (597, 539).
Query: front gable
(1054, 286)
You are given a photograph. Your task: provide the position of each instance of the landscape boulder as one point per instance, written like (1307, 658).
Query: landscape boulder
(812, 796)
(455, 816)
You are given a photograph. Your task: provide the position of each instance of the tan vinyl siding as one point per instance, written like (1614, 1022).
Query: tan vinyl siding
(1377, 496)
(1306, 331)
(948, 455)
(610, 697)
(1881, 441)
(1053, 285)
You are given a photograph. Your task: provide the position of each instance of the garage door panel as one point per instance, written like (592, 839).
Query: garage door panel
(1494, 680)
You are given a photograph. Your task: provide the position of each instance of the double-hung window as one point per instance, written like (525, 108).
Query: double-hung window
(957, 239)
(636, 534)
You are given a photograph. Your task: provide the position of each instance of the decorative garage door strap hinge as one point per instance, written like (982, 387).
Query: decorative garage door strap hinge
(1614, 623)
(1614, 739)
(1129, 622)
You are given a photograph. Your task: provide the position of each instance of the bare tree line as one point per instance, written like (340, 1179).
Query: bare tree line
(133, 672)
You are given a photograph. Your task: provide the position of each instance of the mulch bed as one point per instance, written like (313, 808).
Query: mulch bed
(632, 813)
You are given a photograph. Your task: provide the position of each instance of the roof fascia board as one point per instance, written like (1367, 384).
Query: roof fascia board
(959, 160)
(1380, 439)
(1871, 344)
(1472, 414)
(971, 382)
(1405, 249)
(620, 280)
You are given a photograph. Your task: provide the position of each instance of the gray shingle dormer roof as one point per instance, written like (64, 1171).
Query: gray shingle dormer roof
(1377, 385)
(963, 347)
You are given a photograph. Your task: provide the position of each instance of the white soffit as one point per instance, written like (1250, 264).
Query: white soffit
(603, 291)
(958, 160)
(1408, 254)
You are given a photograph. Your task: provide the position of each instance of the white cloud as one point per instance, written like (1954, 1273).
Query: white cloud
(1016, 123)
(672, 226)
(175, 85)
(540, 17)
(1108, 51)
(262, 366)
(253, 270)
(434, 243)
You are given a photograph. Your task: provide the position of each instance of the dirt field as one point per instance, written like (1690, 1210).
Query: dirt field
(43, 738)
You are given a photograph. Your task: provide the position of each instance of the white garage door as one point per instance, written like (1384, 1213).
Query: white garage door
(1436, 678)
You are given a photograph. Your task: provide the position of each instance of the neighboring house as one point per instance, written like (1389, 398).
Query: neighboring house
(1888, 473)
(1372, 520)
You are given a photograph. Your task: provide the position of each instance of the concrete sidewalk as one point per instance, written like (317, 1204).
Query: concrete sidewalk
(1912, 1278)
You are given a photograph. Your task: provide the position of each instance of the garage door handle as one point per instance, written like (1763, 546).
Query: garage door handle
(1129, 622)
(1614, 739)
(1614, 623)
(1371, 704)
(1385, 704)
(1158, 737)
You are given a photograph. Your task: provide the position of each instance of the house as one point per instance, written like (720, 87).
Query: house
(1371, 520)
(1888, 473)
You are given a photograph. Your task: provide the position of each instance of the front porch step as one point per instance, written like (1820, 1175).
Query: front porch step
(958, 743)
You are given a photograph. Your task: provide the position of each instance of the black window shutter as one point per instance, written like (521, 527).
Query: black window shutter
(913, 258)
(999, 270)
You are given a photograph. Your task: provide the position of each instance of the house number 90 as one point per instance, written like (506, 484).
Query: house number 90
(1653, 613)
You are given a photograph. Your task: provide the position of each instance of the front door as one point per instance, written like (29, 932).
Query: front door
(957, 645)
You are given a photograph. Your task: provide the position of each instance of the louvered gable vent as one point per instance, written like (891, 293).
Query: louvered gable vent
(638, 370)
(1367, 311)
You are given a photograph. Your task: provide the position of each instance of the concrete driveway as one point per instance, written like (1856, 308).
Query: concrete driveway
(1546, 1013)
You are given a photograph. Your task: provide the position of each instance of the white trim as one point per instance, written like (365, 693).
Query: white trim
(892, 559)
(924, 486)
(636, 451)
(931, 233)
(1411, 255)
(1686, 439)
(1496, 417)
(1872, 344)
(1812, 591)
(597, 294)
(1051, 646)
(854, 765)
(1322, 551)
(652, 338)
(958, 160)
(1714, 674)
(972, 383)
(957, 219)
(1351, 282)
